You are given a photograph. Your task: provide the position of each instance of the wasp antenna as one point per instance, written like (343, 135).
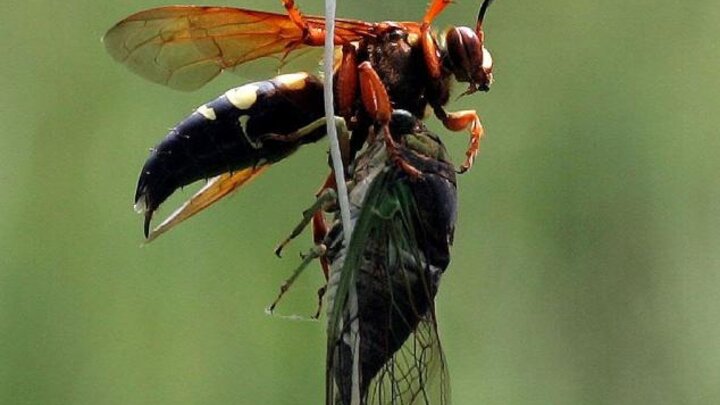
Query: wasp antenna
(481, 14)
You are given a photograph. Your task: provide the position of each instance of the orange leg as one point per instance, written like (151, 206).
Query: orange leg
(431, 54)
(374, 96)
(312, 35)
(346, 83)
(435, 8)
(461, 120)
(320, 230)
(377, 104)
(319, 225)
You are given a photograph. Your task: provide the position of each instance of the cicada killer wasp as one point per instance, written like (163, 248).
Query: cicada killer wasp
(403, 184)
(184, 47)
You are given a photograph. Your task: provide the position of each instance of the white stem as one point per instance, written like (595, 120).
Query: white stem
(328, 60)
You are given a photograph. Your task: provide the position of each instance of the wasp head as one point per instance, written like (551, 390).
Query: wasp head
(469, 60)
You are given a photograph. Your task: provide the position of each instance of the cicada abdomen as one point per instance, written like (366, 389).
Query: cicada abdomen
(383, 344)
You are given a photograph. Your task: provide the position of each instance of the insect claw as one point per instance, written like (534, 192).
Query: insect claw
(278, 250)
(314, 253)
(321, 294)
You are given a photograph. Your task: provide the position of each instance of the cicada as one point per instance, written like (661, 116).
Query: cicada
(383, 341)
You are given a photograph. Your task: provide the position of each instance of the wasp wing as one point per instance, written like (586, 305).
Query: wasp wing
(383, 344)
(184, 47)
(216, 188)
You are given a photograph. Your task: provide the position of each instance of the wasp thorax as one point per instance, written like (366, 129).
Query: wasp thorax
(470, 61)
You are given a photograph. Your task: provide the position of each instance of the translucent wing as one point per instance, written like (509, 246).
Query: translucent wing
(216, 188)
(383, 346)
(185, 47)
(417, 373)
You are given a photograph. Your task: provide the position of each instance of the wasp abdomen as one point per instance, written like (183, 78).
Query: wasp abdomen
(245, 127)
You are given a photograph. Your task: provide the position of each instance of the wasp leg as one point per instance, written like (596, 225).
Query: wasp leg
(314, 253)
(320, 230)
(346, 82)
(434, 9)
(321, 294)
(319, 225)
(324, 200)
(458, 121)
(429, 46)
(312, 35)
(312, 128)
(308, 129)
(431, 54)
(377, 104)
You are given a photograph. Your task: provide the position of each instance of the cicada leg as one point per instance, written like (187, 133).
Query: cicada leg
(326, 198)
(326, 194)
(323, 201)
(314, 253)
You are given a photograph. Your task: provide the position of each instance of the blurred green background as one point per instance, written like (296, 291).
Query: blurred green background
(586, 264)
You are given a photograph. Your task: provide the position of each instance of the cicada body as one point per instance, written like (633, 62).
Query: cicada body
(383, 345)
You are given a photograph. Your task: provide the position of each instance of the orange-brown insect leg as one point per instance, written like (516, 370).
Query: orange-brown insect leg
(461, 120)
(313, 36)
(320, 230)
(373, 94)
(431, 54)
(319, 225)
(435, 8)
(346, 82)
(376, 101)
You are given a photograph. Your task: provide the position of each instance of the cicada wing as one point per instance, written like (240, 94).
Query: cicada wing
(417, 373)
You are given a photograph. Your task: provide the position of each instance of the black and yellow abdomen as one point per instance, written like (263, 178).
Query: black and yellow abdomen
(248, 126)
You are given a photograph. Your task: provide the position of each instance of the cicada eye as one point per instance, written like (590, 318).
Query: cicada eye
(470, 61)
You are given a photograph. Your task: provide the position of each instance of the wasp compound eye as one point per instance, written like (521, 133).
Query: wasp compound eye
(470, 61)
